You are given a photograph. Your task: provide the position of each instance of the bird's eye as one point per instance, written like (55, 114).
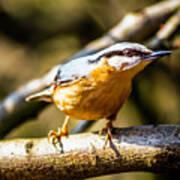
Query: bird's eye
(130, 52)
(127, 52)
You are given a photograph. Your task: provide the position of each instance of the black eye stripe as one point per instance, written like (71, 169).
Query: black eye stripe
(108, 55)
(126, 52)
(131, 52)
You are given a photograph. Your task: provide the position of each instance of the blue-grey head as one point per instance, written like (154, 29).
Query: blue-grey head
(122, 56)
(125, 56)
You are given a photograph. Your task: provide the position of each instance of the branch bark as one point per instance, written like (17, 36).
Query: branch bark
(141, 148)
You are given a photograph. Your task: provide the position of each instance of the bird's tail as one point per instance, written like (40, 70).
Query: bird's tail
(45, 95)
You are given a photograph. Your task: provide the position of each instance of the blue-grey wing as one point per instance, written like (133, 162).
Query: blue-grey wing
(74, 69)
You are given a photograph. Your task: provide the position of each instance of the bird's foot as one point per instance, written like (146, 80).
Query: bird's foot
(55, 137)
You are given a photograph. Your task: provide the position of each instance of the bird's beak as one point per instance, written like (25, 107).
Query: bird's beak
(156, 55)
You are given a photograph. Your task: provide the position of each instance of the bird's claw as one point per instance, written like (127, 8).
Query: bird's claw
(55, 137)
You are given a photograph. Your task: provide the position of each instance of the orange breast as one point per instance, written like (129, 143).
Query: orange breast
(98, 96)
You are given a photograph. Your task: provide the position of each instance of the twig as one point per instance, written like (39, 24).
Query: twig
(165, 32)
(129, 28)
(143, 148)
(138, 26)
(169, 27)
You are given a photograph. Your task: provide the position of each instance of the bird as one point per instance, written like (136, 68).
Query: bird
(96, 86)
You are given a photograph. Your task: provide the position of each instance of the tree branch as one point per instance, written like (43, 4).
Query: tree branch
(166, 32)
(141, 148)
(129, 28)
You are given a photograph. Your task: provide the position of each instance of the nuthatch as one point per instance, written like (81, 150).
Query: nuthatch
(96, 86)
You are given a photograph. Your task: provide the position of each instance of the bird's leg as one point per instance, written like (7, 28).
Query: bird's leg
(108, 129)
(61, 132)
